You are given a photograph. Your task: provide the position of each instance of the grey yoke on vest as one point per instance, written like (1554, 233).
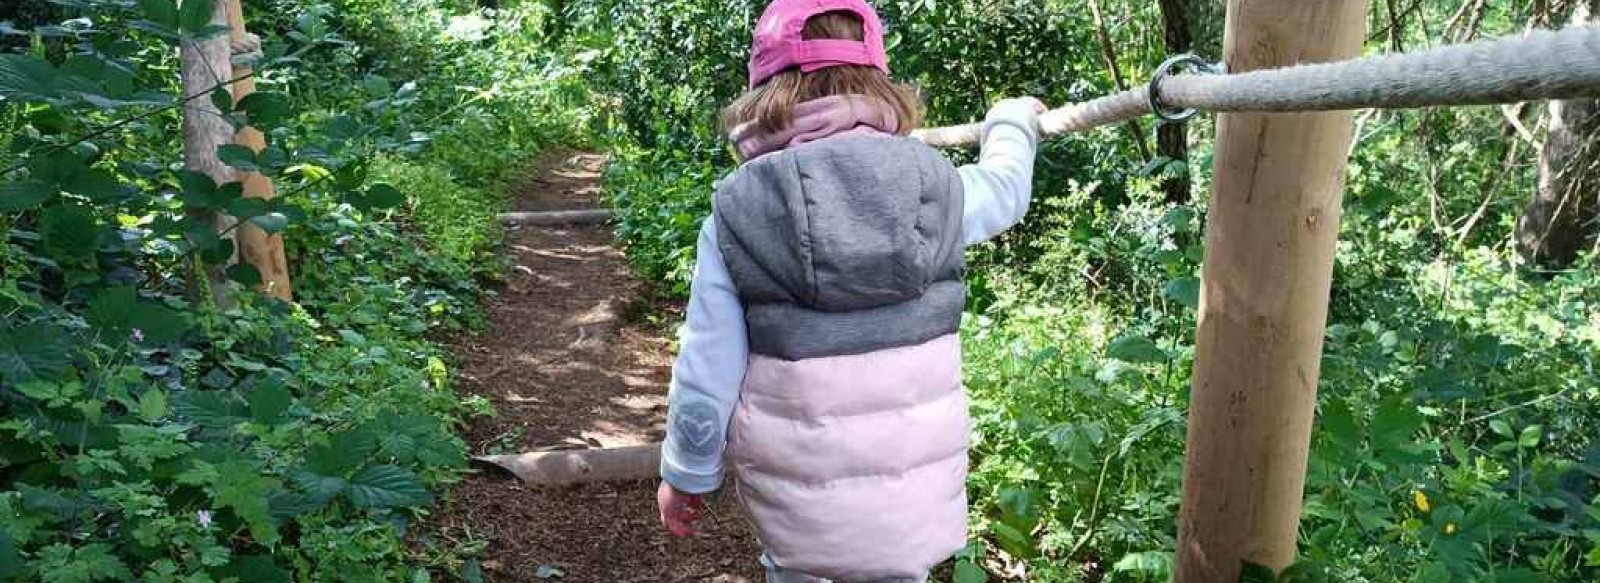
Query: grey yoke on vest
(846, 245)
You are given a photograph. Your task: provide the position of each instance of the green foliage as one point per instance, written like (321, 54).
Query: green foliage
(147, 436)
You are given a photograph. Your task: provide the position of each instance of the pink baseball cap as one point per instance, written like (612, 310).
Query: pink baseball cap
(779, 43)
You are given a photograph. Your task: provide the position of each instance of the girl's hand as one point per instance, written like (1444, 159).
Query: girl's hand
(679, 511)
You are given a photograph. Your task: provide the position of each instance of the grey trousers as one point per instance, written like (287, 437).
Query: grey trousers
(776, 574)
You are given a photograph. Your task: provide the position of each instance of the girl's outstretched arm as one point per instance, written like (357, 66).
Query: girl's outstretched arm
(1000, 185)
(712, 356)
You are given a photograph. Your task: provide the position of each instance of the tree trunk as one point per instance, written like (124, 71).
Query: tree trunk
(205, 65)
(256, 247)
(1272, 230)
(1564, 215)
(1172, 139)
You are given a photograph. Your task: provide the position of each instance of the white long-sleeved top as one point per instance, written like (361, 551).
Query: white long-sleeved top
(713, 349)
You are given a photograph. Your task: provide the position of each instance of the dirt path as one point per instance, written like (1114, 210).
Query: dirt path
(572, 360)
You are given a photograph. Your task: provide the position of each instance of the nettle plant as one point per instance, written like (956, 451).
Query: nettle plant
(147, 435)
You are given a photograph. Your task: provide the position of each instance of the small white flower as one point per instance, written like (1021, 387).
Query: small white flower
(203, 517)
(138, 335)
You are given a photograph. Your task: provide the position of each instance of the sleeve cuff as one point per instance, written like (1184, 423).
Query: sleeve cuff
(690, 483)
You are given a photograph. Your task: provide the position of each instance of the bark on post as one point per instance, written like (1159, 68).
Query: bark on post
(206, 64)
(1563, 216)
(256, 247)
(1272, 229)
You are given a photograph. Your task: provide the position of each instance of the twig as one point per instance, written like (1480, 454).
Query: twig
(1108, 51)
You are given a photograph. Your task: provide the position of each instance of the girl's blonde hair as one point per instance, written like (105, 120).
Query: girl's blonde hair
(771, 104)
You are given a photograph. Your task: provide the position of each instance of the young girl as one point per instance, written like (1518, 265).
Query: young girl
(820, 361)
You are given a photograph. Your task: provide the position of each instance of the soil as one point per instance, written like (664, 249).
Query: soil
(576, 355)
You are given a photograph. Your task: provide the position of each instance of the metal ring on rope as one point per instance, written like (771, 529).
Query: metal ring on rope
(1196, 64)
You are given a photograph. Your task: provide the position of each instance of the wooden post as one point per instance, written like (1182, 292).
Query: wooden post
(256, 247)
(1273, 226)
(205, 65)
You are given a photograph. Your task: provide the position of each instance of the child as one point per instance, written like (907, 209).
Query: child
(820, 361)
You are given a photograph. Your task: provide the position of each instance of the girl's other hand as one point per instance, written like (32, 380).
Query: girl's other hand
(679, 511)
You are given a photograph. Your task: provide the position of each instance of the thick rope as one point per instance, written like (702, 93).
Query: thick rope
(1544, 65)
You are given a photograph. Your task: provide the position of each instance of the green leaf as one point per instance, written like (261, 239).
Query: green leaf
(269, 402)
(344, 453)
(1252, 573)
(24, 195)
(238, 157)
(1136, 349)
(25, 78)
(162, 12)
(255, 569)
(272, 223)
(70, 232)
(379, 196)
(244, 274)
(1148, 565)
(387, 487)
(117, 313)
(1019, 544)
(222, 99)
(212, 409)
(1394, 424)
(970, 572)
(153, 405)
(242, 488)
(1185, 291)
(10, 559)
(266, 109)
(34, 352)
(94, 184)
(194, 17)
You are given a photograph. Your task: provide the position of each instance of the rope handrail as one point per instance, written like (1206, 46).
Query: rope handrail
(1543, 65)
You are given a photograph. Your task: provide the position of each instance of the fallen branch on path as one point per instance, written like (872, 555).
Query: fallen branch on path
(545, 218)
(580, 466)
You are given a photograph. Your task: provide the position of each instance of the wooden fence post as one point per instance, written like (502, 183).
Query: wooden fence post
(1272, 229)
(205, 65)
(256, 247)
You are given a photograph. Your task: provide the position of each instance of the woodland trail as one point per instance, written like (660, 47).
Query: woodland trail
(572, 358)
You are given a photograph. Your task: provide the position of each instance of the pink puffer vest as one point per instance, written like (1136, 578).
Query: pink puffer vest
(849, 441)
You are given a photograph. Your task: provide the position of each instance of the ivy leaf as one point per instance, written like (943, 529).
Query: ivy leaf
(1185, 291)
(272, 223)
(244, 274)
(266, 109)
(1136, 349)
(238, 157)
(161, 12)
(34, 352)
(24, 195)
(387, 487)
(211, 409)
(194, 17)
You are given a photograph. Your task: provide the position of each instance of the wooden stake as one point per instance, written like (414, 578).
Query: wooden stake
(564, 468)
(256, 247)
(1273, 227)
(206, 64)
